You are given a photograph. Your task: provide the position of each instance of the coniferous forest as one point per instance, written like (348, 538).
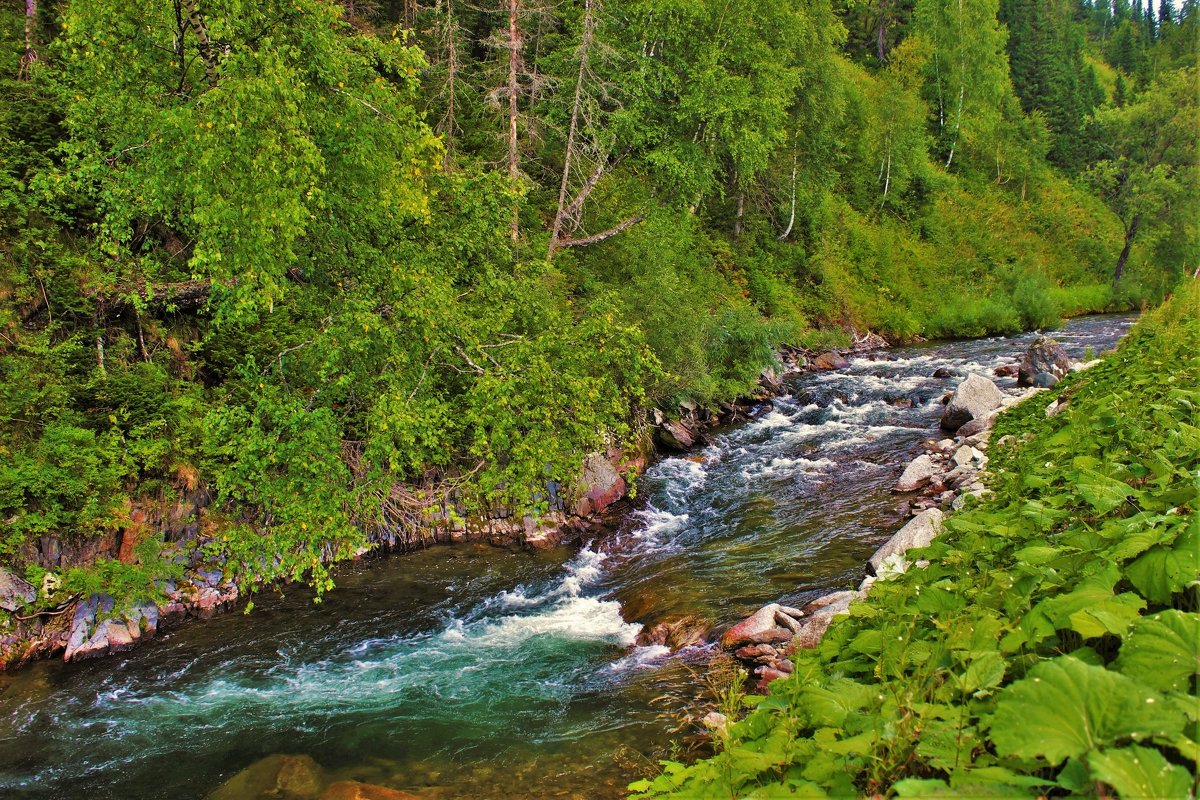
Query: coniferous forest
(317, 262)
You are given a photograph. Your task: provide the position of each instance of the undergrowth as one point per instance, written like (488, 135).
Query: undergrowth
(1050, 648)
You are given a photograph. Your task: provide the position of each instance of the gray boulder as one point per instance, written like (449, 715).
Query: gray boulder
(15, 591)
(918, 473)
(1044, 355)
(977, 426)
(919, 532)
(1045, 380)
(975, 398)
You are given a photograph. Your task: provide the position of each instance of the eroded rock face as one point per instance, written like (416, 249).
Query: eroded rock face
(15, 591)
(1044, 355)
(674, 435)
(975, 398)
(601, 483)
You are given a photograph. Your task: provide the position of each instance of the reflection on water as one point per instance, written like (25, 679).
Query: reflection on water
(479, 672)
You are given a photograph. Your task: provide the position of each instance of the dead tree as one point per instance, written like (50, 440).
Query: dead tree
(515, 43)
(579, 146)
(30, 55)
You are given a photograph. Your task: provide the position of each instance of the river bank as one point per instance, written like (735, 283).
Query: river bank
(496, 667)
(1066, 593)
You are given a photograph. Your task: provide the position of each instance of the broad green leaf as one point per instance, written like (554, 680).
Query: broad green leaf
(1091, 609)
(1101, 492)
(1162, 571)
(984, 672)
(1066, 708)
(1140, 772)
(1163, 651)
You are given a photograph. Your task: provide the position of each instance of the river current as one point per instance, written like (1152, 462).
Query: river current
(480, 672)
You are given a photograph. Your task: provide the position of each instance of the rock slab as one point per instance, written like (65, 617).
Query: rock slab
(916, 474)
(975, 398)
(15, 591)
(919, 532)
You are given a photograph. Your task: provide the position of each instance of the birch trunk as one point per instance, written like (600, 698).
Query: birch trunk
(573, 129)
(514, 55)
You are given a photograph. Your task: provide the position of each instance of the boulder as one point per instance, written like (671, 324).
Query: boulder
(87, 636)
(765, 676)
(977, 426)
(827, 361)
(967, 456)
(918, 473)
(974, 398)
(602, 485)
(275, 777)
(674, 435)
(943, 372)
(759, 628)
(1007, 371)
(769, 380)
(919, 532)
(687, 631)
(1045, 380)
(819, 616)
(15, 591)
(353, 790)
(753, 652)
(1044, 355)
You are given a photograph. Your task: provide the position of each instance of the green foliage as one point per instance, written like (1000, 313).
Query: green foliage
(1050, 644)
(265, 253)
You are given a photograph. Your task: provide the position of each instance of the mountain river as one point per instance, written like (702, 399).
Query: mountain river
(473, 671)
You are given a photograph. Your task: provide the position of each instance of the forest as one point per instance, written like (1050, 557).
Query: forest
(298, 254)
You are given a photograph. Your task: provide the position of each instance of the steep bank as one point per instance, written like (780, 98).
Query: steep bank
(1066, 593)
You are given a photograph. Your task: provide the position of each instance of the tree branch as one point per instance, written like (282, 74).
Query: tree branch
(600, 237)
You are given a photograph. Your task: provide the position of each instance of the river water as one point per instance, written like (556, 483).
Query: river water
(480, 672)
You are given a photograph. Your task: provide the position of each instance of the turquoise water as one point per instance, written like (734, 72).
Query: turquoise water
(481, 672)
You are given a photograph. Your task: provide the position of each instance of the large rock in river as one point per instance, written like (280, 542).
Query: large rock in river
(918, 473)
(975, 398)
(277, 777)
(827, 361)
(1044, 355)
(760, 627)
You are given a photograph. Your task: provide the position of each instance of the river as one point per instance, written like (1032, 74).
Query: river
(473, 671)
